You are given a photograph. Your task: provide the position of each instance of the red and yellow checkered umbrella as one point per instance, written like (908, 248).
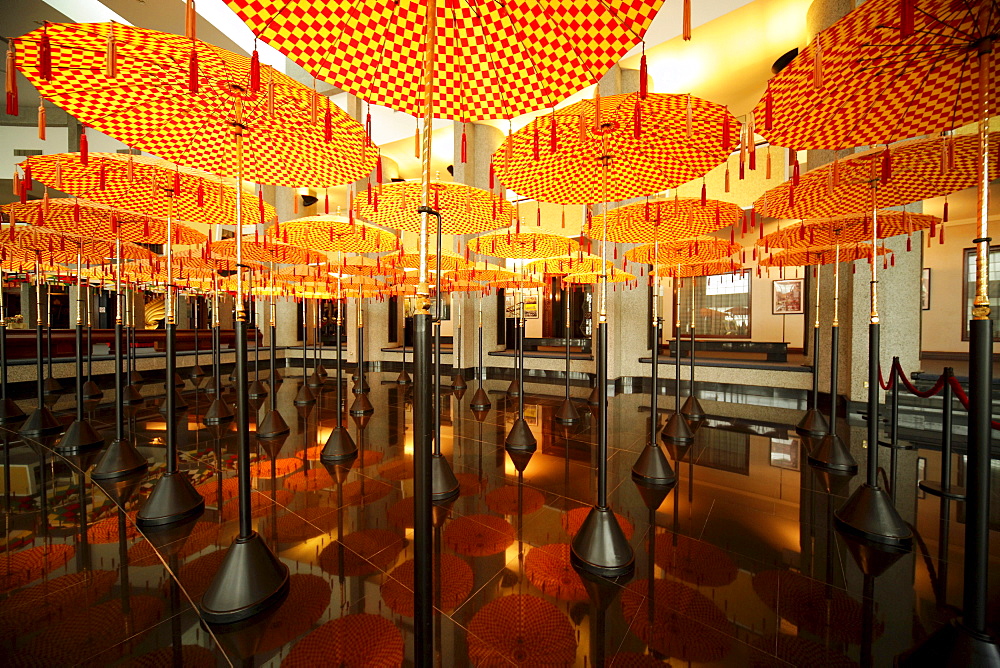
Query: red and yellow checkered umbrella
(194, 260)
(523, 245)
(180, 99)
(700, 269)
(568, 264)
(450, 261)
(464, 209)
(904, 173)
(612, 275)
(516, 284)
(329, 233)
(808, 257)
(664, 220)
(851, 229)
(480, 275)
(888, 70)
(146, 186)
(267, 252)
(691, 251)
(493, 60)
(55, 247)
(647, 146)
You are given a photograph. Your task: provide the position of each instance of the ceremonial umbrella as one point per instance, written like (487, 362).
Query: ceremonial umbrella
(463, 209)
(521, 629)
(464, 63)
(207, 108)
(523, 245)
(328, 233)
(358, 639)
(664, 220)
(849, 229)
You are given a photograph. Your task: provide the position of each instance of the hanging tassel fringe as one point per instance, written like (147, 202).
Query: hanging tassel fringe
(41, 120)
(255, 72)
(192, 82)
(84, 147)
(11, 80)
(643, 75)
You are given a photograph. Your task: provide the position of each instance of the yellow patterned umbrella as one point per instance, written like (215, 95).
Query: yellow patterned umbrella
(807, 257)
(464, 209)
(516, 284)
(449, 261)
(664, 220)
(611, 275)
(523, 245)
(267, 251)
(480, 275)
(57, 247)
(849, 230)
(692, 251)
(699, 269)
(180, 99)
(568, 264)
(329, 233)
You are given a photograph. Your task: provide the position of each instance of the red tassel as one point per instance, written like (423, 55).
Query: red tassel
(727, 139)
(727, 177)
(11, 80)
(378, 171)
(941, 236)
(84, 148)
(255, 72)
(28, 185)
(326, 206)
(41, 120)
(768, 107)
(534, 142)
(637, 121)
(553, 141)
(193, 71)
(643, 76)
(944, 216)
(145, 228)
(492, 177)
(795, 172)
(538, 216)
(465, 146)
(752, 155)
(328, 126)
(686, 21)
(886, 165)
(45, 56)
(260, 205)
(906, 18)
(704, 194)
(909, 243)
(76, 211)
(177, 182)
(23, 195)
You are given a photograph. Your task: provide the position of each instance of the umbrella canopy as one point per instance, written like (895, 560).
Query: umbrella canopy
(523, 245)
(270, 251)
(479, 535)
(568, 264)
(308, 598)
(455, 585)
(480, 275)
(450, 261)
(548, 567)
(493, 61)
(463, 209)
(904, 173)
(354, 640)
(179, 99)
(646, 144)
(851, 229)
(612, 275)
(364, 552)
(145, 186)
(329, 233)
(808, 257)
(695, 561)
(517, 284)
(885, 71)
(59, 247)
(692, 251)
(701, 269)
(664, 220)
(26, 566)
(522, 629)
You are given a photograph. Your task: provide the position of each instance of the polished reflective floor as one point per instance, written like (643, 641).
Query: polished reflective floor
(739, 565)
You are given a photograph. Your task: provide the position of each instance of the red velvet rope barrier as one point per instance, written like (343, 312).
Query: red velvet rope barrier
(897, 371)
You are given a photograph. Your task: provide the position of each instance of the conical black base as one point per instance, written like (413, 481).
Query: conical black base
(677, 430)
(953, 646)
(272, 425)
(10, 411)
(444, 484)
(80, 437)
(51, 386)
(173, 499)
(600, 547)
(40, 422)
(813, 423)
(339, 446)
(869, 514)
(652, 467)
(567, 412)
(218, 412)
(250, 580)
(520, 436)
(91, 391)
(595, 397)
(119, 460)
(362, 406)
(196, 372)
(514, 389)
(692, 409)
(832, 453)
(257, 389)
(403, 378)
(458, 382)
(180, 405)
(480, 401)
(132, 396)
(304, 397)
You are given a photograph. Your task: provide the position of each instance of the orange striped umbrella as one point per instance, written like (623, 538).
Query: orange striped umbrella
(59, 247)
(198, 259)
(480, 275)
(689, 251)
(523, 245)
(329, 233)
(354, 640)
(521, 629)
(145, 186)
(517, 284)
(808, 257)
(616, 147)
(464, 209)
(664, 220)
(180, 99)
(267, 251)
(701, 269)
(455, 585)
(449, 261)
(856, 228)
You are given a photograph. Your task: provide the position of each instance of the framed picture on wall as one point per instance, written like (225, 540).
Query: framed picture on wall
(787, 296)
(530, 307)
(925, 289)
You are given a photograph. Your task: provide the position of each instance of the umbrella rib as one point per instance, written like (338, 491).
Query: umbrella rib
(508, 107)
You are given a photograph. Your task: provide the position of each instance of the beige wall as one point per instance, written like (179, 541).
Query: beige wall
(941, 325)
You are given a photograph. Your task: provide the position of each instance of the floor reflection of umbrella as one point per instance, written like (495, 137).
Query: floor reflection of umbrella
(796, 651)
(694, 561)
(503, 500)
(634, 660)
(20, 568)
(455, 585)
(364, 552)
(282, 467)
(51, 599)
(308, 598)
(202, 535)
(354, 640)
(573, 519)
(195, 576)
(192, 656)
(479, 535)
(210, 490)
(686, 624)
(106, 531)
(812, 605)
(522, 629)
(400, 514)
(548, 568)
(469, 484)
(397, 469)
(91, 631)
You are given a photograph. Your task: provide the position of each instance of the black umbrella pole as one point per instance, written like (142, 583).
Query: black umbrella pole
(170, 394)
(273, 374)
(422, 554)
(243, 431)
